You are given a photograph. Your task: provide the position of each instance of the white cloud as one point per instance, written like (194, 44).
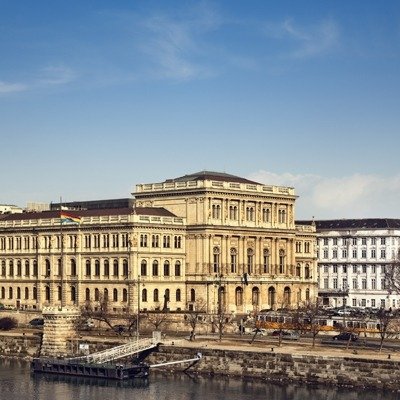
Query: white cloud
(12, 87)
(354, 196)
(309, 41)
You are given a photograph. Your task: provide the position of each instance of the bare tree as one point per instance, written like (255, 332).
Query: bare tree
(388, 324)
(307, 318)
(392, 275)
(195, 316)
(221, 320)
(157, 319)
(98, 311)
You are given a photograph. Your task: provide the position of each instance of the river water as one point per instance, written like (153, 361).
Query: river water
(17, 383)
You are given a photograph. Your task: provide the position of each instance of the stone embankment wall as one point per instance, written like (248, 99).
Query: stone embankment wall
(263, 365)
(278, 367)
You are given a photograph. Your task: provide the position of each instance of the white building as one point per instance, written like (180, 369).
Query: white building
(352, 257)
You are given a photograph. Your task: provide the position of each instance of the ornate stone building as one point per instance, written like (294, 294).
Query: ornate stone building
(209, 239)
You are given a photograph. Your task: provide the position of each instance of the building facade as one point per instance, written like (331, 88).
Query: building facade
(207, 240)
(353, 255)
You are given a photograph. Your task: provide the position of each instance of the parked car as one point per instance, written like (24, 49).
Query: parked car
(119, 329)
(287, 335)
(346, 336)
(36, 322)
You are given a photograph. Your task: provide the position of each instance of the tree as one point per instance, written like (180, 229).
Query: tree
(307, 318)
(195, 316)
(388, 325)
(392, 275)
(99, 312)
(157, 319)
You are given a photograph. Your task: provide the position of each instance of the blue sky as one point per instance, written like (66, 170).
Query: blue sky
(97, 96)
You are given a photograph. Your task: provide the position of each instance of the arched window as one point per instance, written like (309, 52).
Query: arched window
(106, 268)
(250, 258)
(221, 299)
(124, 295)
(10, 293)
(47, 268)
(96, 294)
(59, 291)
(287, 296)
(255, 296)
(35, 268)
(266, 261)
(73, 270)
(178, 295)
(87, 294)
(178, 268)
(307, 294)
(115, 268)
(19, 268)
(18, 293)
(105, 295)
(192, 295)
(144, 295)
(88, 271)
(271, 296)
(3, 268)
(97, 267)
(216, 260)
(125, 267)
(26, 293)
(11, 268)
(3, 292)
(281, 261)
(34, 293)
(155, 296)
(143, 268)
(73, 294)
(166, 295)
(233, 261)
(307, 272)
(27, 272)
(155, 268)
(166, 268)
(298, 270)
(47, 293)
(239, 296)
(59, 267)
(115, 294)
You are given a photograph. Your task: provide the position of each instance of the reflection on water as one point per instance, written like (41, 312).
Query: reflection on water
(16, 382)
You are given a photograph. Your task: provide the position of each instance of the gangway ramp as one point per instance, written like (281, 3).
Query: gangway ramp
(115, 353)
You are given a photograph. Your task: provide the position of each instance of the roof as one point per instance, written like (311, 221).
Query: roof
(363, 223)
(212, 176)
(152, 211)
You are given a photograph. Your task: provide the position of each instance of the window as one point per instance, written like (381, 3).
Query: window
(19, 268)
(239, 296)
(250, 257)
(250, 213)
(87, 294)
(178, 268)
(354, 253)
(344, 253)
(96, 241)
(335, 241)
(326, 283)
(115, 268)
(334, 253)
(363, 284)
(373, 253)
(354, 241)
(97, 268)
(96, 294)
(115, 294)
(155, 296)
(216, 211)
(143, 240)
(307, 247)
(364, 241)
(335, 269)
(166, 242)
(87, 241)
(216, 260)
(298, 270)
(233, 213)
(266, 261)
(363, 253)
(373, 241)
(178, 295)
(105, 295)
(115, 240)
(355, 283)
(177, 242)
(87, 268)
(364, 269)
(266, 214)
(3, 268)
(34, 293)
(281, 216)
(373, 303)
(106, 241)
(47, 293)
(155, 268)
(47, 269)
(144, 295)
(373, 283)
(106, 268)
(354, 269)
(307, 272)
(192, 295)
(35, 268)
(166, 268)
(143, 268)
(326, 268)
(298, 247)
(383, 253)
(344, 269)
(373, 269)
(73, 268)
(326, 241)
(325, 253)
(125, 268)
(124, 295)
(354, 301)
(155, 241)
(27, 269)
(335, 283)
(281, 261)
(383, 240)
